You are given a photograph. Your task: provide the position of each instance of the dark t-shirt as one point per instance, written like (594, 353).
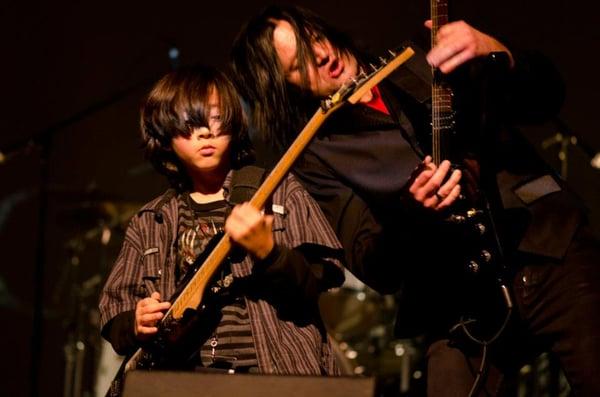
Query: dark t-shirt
(230, 344)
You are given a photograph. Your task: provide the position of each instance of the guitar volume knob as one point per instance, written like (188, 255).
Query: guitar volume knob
(481, 228)
(473, 267)
(486, 255)
(456, 219)
(474, 212)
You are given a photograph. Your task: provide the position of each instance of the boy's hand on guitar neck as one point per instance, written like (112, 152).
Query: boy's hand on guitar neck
(431, 187)
(251, 229)
(148, 312)
(458, 42)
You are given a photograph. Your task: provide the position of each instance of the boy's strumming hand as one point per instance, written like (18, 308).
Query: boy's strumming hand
(148, 312)
(251, 229)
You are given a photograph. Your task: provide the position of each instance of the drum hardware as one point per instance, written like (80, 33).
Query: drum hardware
(361, 322)
(89, 254)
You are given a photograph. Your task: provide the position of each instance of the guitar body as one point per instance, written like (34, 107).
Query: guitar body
(470, 220)
(178, 340)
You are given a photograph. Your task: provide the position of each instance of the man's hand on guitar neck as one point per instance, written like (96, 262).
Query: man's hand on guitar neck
(458, 42)
(429, 189)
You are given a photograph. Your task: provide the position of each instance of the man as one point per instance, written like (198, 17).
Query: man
(387, 201)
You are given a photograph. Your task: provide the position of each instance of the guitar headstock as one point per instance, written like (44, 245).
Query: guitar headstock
(354, 89)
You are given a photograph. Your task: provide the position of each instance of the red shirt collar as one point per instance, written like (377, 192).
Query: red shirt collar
(376, 102)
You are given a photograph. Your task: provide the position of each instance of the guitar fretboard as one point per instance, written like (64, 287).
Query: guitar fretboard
(442, 115)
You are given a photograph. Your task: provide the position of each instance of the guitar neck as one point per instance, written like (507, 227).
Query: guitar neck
(442, 120)
(439, 17)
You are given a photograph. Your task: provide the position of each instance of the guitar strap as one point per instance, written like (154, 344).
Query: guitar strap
(245, 182)
(414, 80)
(415, 75)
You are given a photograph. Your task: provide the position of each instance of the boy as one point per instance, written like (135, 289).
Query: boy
(195, 134)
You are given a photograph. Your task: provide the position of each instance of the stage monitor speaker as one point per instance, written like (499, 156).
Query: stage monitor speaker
(188, 384)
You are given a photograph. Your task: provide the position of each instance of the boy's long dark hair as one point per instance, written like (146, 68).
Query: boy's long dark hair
(177, 103)
(279, 109)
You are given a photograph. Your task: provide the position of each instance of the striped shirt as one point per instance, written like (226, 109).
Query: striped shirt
(293, 344)
(231, 343)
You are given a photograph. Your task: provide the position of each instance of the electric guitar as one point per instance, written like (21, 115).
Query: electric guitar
(166, 348)
(470, 217)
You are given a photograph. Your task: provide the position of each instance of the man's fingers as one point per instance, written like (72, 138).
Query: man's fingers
(425, 171)
(435, 182)
(451, 198)
(447, 187)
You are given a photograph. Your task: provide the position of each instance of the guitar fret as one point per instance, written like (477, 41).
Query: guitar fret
(441, 95)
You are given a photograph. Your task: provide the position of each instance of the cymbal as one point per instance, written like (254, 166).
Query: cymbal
(348, 313)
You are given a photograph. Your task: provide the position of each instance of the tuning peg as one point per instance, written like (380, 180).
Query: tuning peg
(474, 212)
(373, 67)
(392, 53)
(383, 61)
(480, 228)
(456, 219)
(473, 266)
(486, 255)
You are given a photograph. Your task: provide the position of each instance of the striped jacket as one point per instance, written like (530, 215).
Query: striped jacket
(146, 263)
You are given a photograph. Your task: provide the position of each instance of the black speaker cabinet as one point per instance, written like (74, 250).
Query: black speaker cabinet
(188, 384)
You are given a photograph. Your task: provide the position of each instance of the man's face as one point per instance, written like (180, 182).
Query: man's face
(332, 67)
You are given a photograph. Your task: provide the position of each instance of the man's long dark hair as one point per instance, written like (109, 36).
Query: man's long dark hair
(279, 109)
(178, 103)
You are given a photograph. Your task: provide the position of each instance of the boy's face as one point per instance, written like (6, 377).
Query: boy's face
(206, 150)
(331, 71)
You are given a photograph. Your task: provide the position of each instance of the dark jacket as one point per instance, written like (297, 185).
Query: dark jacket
(359, 167)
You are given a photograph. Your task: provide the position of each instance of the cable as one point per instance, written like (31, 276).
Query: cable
(462, 324)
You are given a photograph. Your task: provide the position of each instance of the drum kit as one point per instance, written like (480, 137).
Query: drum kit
(90, 362)
(361, 324)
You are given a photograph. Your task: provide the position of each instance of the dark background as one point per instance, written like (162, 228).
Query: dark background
(73, 75)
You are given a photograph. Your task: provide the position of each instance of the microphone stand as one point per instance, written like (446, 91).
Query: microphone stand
(565, 137)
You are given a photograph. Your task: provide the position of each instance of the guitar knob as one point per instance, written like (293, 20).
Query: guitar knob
(473, 267)
(480, 228)
(485, 255)
(473, 213)
(456, 219)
